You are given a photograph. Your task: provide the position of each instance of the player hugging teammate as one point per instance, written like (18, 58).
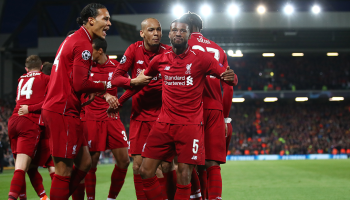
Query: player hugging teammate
(177, 128)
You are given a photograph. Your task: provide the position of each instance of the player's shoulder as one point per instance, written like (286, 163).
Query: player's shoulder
(113, 62)
(135, 46)
(164, 47)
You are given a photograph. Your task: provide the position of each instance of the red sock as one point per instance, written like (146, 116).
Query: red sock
(51, 175)
(76, 178)
(37, 182)
(162, 182)
(203, 180)
(196, 186)
(152, 188)
(79, 193)
(214, 182)
(174, 179)
(170, 185)
(59, 187)
(117, 181)
(23, 193)
(90, 184)
(140, 194)
(18, 181)
(183, 192)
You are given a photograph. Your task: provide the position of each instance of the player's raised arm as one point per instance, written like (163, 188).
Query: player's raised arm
(122, 69)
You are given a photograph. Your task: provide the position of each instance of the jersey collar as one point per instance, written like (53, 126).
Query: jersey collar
(183, 54)
(87, 33)
(150, 53)
(196, 33)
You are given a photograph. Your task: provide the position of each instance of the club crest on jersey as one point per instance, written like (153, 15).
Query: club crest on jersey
(188, 67)
(123, 60)
(110, 76)
(86, 55)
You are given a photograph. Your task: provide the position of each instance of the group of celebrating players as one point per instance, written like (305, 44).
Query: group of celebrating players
(179, 118)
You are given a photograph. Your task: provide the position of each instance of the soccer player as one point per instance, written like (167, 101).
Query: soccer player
(61, 109)
(214, 105)
(104, 132)
(147, 103)
(24, 131)
(179, 126)
(42, 157)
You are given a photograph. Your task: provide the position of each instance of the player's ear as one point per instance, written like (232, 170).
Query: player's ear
(100, 51)
(91, 21)
(142, 34)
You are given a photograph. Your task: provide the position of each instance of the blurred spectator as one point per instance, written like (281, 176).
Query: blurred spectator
(292, 73)
(290, 128)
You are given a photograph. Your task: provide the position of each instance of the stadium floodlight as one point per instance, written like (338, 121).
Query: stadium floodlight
(288, 9)
(301, 99)
(238, 100)
(332, 54)
(178, 11)
(268, 54)
(261, 9)
(206, 10)
(270, 99)
(316, 9)
(230, 53)
(336, 99)
(113, 56)
(297, 54)
(238, 54)
(272, 74)
(233, 10)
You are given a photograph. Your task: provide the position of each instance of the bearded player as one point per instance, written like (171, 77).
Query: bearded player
(147, 103)
(216, 107)
(61, 110)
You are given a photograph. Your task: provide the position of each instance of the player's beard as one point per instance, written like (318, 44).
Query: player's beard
(178, 45)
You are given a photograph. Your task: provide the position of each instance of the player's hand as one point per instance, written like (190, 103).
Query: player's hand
(111, 100)
(228, 75)
(23, 110)
(141, 79)
(112, 112)
(91, 98)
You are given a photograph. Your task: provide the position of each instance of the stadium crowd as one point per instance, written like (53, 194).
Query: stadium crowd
(290, 128)
(6, 157)
(292, 73)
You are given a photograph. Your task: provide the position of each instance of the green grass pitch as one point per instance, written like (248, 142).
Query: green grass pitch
(243, 180)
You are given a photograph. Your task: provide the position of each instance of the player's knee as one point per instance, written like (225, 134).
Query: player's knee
(166, 167)
(184, 175)
(145, 173)
(124, 162)
(86, 164)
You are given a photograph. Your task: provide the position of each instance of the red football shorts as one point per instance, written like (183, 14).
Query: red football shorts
(138, 133)
(214, 136)
(66, 136)
(24, 135)
(109, 134)
(228, 136)
(85, 132)
(43, 157)
(166, 140)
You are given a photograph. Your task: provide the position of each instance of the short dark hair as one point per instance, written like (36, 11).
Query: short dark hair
(100, 43)
(46, 69)
(192, 19)
(90, 10)
(180, 21)
(71, 32)
(33, 62)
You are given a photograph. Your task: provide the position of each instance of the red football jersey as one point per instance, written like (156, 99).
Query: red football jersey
(183, 83)
(96, 110)
(146, 104)
(70, 75)
(31, 91)
(212, 97)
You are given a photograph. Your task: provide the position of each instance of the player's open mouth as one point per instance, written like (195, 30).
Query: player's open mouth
(104, 31)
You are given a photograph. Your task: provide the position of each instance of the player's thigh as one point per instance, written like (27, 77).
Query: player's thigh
(116, 135)
(96, 135)
(214, 136)
(28, 137)
(65, 132)
(189, 143)
(138, 135)
(160, 143)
